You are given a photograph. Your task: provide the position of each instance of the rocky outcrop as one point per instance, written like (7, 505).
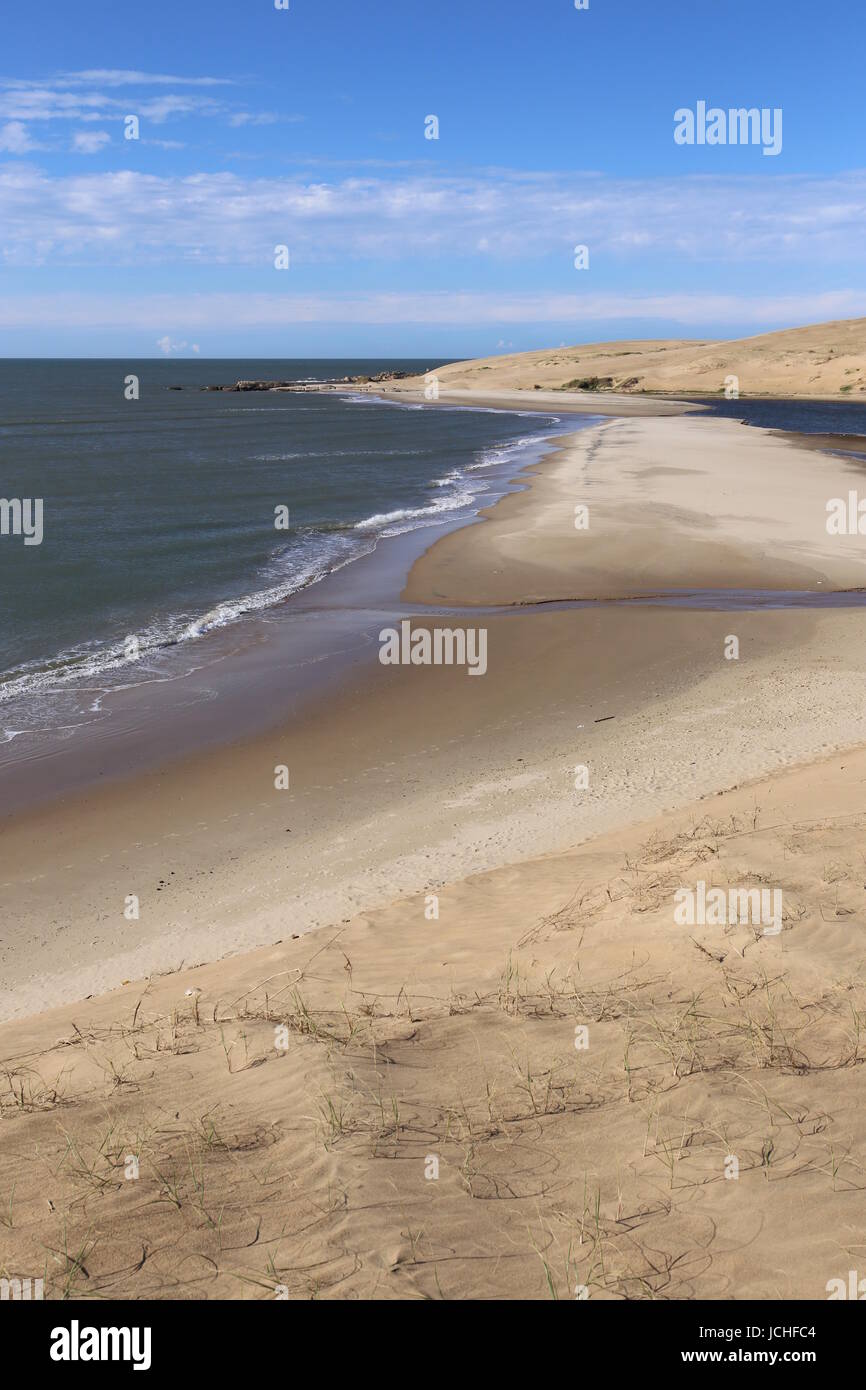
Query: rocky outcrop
(363, 380)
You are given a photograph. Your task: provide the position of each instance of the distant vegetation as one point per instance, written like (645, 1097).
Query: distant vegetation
(599, 383)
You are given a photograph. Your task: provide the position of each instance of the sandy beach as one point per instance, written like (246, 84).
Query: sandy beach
(419, 928)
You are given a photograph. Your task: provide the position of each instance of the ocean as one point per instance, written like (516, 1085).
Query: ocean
(159, 513)
(159, 523)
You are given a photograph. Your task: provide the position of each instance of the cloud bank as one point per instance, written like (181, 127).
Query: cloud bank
(129, 217)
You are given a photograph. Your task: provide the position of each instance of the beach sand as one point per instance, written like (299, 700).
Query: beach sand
(688, 502)
(303, 1161)
(425, 1125)
(820, 361)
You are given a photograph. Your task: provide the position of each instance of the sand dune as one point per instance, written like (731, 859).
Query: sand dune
(398, 1108)
(825, 359)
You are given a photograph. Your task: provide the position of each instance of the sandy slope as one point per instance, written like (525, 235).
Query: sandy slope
(303, 1163)
(825, 359)
(283, 1108)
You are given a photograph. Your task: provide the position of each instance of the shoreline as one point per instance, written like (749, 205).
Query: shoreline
(568, 402)
(651, 521)
(196, 665)
(229, 683)
(487, 781)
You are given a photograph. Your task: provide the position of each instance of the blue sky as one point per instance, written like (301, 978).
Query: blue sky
(306, 128)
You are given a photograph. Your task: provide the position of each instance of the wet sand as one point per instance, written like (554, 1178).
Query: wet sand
(407, 777)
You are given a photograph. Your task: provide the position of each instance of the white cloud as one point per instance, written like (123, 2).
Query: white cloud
(120, 77)
(90, 141)
(44, 104)
(240, 118)
(125, 217)
(94, 95)
(15, 138)
(168, 346)
(250, 118)
(124, 77)
(226, 312)
(160, 109)
(50, 104)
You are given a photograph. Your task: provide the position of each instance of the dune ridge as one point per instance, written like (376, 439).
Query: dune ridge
(820, 360)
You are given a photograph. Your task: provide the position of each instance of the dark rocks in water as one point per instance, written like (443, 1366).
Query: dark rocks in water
(257, 385)
(385, 376)
(306, 385)
(253, 386)
(366, 380)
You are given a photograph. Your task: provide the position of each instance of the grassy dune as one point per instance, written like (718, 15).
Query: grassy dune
(825, 359)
